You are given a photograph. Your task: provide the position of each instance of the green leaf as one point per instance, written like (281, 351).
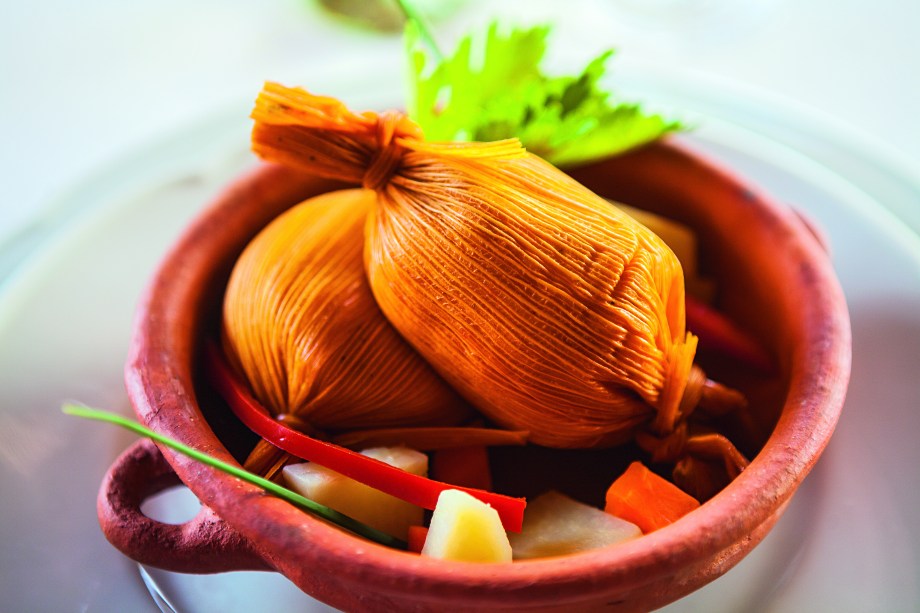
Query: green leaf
(270, 486)
(567, 120)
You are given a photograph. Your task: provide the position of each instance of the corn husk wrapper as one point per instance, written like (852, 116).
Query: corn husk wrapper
(302, 326)
(547, 308)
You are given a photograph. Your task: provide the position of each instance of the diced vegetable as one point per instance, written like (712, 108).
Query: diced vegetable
(365, 504)
(555, 524)
(466, 529)
(647, 500)
(417, 536)
(464, 466)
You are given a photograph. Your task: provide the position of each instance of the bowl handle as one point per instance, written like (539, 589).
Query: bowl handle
(204, 544)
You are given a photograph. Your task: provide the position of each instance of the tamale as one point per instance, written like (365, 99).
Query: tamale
(546, 307)
(301, 325)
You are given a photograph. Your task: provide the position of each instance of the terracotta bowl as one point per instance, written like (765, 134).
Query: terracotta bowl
(775, 279)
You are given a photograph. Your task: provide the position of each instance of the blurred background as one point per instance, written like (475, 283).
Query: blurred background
(83, 84)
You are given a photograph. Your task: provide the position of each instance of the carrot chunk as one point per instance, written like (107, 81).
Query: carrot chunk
(417, 536)
(463, 466)
(646, 499)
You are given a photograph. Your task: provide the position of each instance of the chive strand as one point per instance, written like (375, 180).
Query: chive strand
(281, 492)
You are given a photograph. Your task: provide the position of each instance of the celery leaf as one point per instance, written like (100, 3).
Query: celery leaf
(505, 94)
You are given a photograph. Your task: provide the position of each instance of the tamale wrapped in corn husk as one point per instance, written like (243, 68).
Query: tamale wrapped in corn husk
(300, 323)
(547, 308)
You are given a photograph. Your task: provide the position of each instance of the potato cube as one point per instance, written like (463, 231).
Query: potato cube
(555, 524)
(467, 529)
(361, 502)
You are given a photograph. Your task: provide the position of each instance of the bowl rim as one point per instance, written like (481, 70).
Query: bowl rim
(820, 367)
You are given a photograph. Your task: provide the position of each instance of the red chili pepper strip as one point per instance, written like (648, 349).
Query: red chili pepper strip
(415, 489)
(718, 333)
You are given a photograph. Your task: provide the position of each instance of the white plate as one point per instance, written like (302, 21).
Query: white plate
(849, 541)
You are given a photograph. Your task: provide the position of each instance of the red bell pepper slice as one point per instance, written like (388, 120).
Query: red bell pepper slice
(415, 489)
(718, 333)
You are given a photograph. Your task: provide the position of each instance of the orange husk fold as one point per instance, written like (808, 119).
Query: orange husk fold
(547, 308)
(431, 439)
(300, 324)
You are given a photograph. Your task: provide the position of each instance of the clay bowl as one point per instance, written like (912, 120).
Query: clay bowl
(775, 279)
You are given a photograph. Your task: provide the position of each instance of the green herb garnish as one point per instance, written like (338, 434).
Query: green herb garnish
(294, 498)
(566, 120)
